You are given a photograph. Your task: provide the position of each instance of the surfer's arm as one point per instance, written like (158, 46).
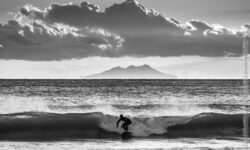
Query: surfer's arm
(118, 123)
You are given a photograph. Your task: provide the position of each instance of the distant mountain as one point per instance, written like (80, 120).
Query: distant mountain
(132, 72)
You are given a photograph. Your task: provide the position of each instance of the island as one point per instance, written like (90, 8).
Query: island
(132, 72)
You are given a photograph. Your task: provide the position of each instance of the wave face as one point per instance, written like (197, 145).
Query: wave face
(51, 126)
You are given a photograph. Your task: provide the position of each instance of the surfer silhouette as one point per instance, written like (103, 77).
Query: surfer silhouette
(126, 120)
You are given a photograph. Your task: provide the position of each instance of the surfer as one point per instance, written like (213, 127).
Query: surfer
(126, 120)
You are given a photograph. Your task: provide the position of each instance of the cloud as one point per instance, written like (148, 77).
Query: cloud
(247, 26)
(39, 41)
(124, 29)
(200, 25)
(126, 18)
(32, 11)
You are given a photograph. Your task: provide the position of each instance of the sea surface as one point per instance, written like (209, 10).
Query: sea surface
(82, 114)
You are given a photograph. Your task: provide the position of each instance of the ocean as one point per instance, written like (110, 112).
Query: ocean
(82, 114)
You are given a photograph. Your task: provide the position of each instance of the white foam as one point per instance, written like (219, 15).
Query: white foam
(14, 104)
(142, 127)
(168, 144)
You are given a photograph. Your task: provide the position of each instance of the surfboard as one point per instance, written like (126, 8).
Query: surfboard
(126, 135)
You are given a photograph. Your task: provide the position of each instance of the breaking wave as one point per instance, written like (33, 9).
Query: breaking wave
(52, 126)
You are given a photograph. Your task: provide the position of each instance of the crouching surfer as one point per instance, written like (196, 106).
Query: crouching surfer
(126, 120)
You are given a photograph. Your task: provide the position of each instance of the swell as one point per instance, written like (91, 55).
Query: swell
(209, 125)
(50, 126)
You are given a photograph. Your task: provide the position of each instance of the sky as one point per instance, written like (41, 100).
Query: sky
(230, 13)
(192, 39)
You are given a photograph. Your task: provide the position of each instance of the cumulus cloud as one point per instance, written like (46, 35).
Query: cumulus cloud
(125, 18)
(39, 41)
(125, 29)
(32, 11)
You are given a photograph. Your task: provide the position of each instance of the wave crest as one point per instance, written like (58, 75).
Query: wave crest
(51, 126)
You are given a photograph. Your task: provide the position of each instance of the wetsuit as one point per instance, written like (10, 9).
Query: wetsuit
(125, 124)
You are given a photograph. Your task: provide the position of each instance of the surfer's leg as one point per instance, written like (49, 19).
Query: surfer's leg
(124, 126)
(127, 124)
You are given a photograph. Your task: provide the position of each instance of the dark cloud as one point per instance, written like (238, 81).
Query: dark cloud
(47, 42)
(125, 29)
(200, 25)
(32, 12)
(125, 18)
(247, 26)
